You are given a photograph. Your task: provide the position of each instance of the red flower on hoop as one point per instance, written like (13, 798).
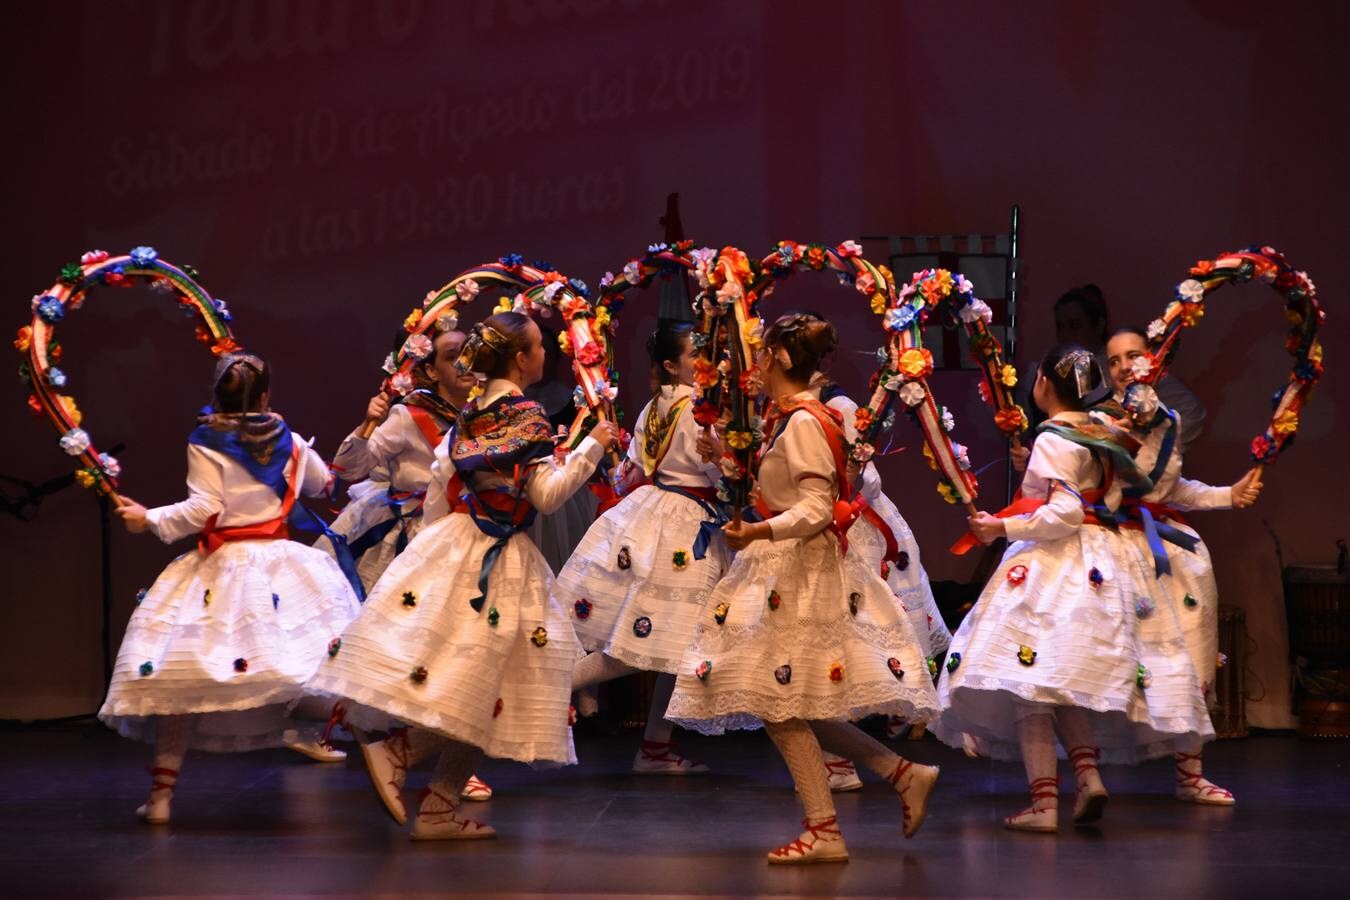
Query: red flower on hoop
(705, 373)
(1203, 267)
(590, 354)
(1263, 448)
(706, 413)
(814, 257)
(573, 307)
(224, 345)
(1010, 420)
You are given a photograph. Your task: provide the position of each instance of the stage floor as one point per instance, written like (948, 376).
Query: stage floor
(273, 823)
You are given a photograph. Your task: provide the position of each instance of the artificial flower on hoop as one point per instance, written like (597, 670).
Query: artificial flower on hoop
(589, 354)
(862, 453)
(814, 257)
(865, 284)
(916, 362)
(573, 307)
(935, 285)
(976, 310)
(224, 345)
(705, 373)
(467, 289)
(93, 257)
(413, 320)
(752, 380)
(912, 393)
(402, 384)
(964, 285)
(1156, 329)
(1141, 367)
(418, 346)
(1008, 375)
(632, 272)
(948, 492)
(753, 332)
(729, 292)
(1191, 314)
(1286, 423)
(862, 419)
(706, 413)
(75, 441)
(24, 340)
(787, 252)
(878, 303)
(739, 439)
(899, 318)
(848, 250)
(928, 455)
(1010, 420)
(1191, 291)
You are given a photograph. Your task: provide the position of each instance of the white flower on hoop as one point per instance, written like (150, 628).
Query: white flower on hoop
(1191, 291)
(912, 393)
(964, 285)
(549, 290)
(632, 271)
(447, 322)
(75, 441)
(865, 284)
(849, 248)
(109, 464)
(1156, 328)
(1141, 366)
(402, 384)
(389, 366)
(418, 346)
(976, 309)
(728, 292)
(948, 420)
(466, 290)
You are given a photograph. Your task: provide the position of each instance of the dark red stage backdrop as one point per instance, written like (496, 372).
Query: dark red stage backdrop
(325, 163)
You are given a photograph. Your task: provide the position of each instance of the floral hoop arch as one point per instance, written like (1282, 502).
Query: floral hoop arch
(540, 289)
(37, 341)
(1302, 311)
(907, 364)
(733, 285)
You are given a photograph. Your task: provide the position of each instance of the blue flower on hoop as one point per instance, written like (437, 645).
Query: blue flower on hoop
(579, 287)
(512, 260)
(845, 278)
(657, 248)
(223, 310)
(543, 265)
(143, 257)
(56, 378)
(900, 317)
(50, 309)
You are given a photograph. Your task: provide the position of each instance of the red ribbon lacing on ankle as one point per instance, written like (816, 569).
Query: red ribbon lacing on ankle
(1041, 789)
(841, 767)
(1084, 759)
(901, 768)
(158, 785)
(339, 717)
(826, 827)
(667, 754)
(1192, 780)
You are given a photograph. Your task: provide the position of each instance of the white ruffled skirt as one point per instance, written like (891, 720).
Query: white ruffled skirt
(497, 676)
(633, 587)
(1055, 638)
(795, 631)
(232, 637)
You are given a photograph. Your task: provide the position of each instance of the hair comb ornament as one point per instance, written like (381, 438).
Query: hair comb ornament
(1082, 364)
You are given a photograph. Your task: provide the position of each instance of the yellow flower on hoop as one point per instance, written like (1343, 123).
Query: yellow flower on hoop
(947, 492)
(414, 319)
(1191, 314)
(72, 410)
(738, 439)
(878, 303)
(916, 362)
(1285, 423)
(928, 455)
(1008, 376)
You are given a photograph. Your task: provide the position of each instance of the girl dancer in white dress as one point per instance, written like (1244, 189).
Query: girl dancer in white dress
(459, 639)
(385, 512)
(1185, 580)
(799, 636)
(229, 633)
(1063, 640)
(638, 581)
